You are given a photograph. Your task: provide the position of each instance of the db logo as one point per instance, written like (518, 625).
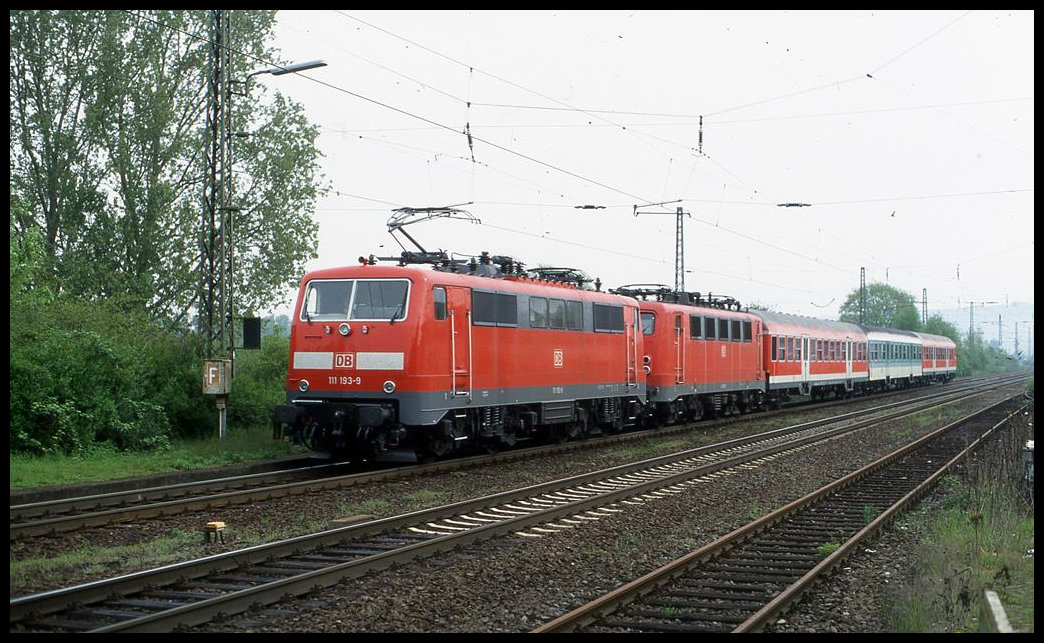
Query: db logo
(723, 351)
(559, 360)
(344, 360)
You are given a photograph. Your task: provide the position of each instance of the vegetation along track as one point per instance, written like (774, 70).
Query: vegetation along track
(745, 579)
(193, 592)
(66, 514)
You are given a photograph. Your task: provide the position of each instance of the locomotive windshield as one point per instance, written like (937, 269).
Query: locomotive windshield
(355, 299)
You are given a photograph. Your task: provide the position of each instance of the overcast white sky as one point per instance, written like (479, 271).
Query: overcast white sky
(909, 133)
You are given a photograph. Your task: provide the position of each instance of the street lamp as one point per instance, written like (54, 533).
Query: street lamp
(292, 68)
(217, 263)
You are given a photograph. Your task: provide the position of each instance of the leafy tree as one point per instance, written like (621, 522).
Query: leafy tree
(107, 156)
(936, 325)
(885, 306)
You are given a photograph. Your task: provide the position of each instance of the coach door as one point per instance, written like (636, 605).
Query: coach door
(804, 362)
(458, 308)
(848, 358)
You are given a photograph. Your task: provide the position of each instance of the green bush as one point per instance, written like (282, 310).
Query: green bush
(86, 373)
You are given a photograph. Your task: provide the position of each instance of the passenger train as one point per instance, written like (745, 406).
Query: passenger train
(434, 356)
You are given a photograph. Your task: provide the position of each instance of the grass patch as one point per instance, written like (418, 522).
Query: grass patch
(977, 537)
(826, 549)
(425, 495)
(106, 560)
(373, 507)
(243, 445)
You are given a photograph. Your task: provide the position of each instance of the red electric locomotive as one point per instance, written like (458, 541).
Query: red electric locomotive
(702, 355)
(399, 362)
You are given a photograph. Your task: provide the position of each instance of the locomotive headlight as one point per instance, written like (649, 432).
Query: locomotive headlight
(389, 387)
(344, 329)
(303, 385)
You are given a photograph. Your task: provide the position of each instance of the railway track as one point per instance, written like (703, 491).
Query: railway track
(193, 592)
(744, 580)
(62, 515)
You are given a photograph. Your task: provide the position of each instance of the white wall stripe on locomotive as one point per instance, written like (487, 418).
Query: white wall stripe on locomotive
(303, 360)
(379, 361)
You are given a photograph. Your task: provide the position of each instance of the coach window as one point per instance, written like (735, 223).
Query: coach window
(797, 349)
(709, 326)
(782, 356)
(723, 330)
(844, 351)
(735, 324)
(819, 350)
(790, 349)
(439, 296)
(537, 312)
(772, 353)
(556, 313)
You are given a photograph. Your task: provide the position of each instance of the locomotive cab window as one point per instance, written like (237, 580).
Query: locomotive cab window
(439, 297)
(362, 300)
(327, 300)
(377, 300)
(648, 323)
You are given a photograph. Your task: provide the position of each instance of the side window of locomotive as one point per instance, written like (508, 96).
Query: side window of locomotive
(648, 323)
(695, 327)
(723, 330)
(375, 300)
(556, 313)
(574, 315)
(608, 319)
(494, 308)
(710, 324)
(439, 297)
(327, 300)
(735, 323)
(746, 332)
(537, 312)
